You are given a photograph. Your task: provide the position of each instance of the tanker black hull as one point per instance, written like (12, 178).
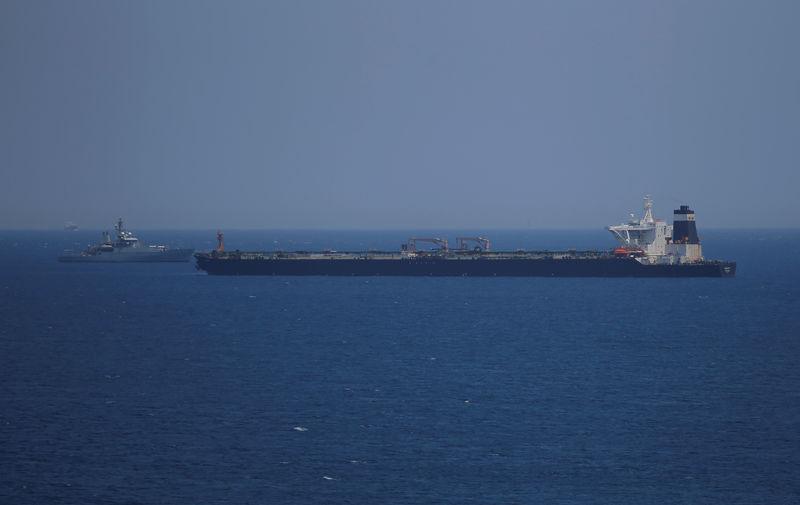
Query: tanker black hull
(442, 267)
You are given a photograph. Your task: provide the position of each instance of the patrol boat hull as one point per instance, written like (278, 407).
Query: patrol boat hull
(141, 256)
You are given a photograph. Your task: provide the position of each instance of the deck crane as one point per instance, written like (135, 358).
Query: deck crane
(481, 240)
(412, 243)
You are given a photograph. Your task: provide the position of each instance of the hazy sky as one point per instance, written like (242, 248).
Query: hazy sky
(402, 114)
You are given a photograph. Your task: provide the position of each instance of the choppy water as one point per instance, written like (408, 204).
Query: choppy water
(158, 384)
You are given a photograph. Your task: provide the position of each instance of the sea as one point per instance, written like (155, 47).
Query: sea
(158, 384)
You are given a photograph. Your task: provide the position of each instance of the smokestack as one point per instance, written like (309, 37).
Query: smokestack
(684, 228)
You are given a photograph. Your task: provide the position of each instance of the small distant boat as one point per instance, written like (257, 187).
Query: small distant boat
(70, 226)
(125, 249)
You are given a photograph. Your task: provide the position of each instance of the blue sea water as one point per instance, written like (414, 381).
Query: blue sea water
(158, 384)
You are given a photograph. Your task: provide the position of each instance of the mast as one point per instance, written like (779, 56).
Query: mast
(648, 210)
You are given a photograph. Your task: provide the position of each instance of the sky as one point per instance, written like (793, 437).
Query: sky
(397, 115)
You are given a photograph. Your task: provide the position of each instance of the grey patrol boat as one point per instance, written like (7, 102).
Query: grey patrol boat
(125, 249)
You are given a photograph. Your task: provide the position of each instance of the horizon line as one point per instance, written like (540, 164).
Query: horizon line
(386, 229)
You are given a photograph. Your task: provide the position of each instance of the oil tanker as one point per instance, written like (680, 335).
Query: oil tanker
(647, 247)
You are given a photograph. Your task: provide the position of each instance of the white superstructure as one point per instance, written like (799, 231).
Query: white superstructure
(650, 240)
